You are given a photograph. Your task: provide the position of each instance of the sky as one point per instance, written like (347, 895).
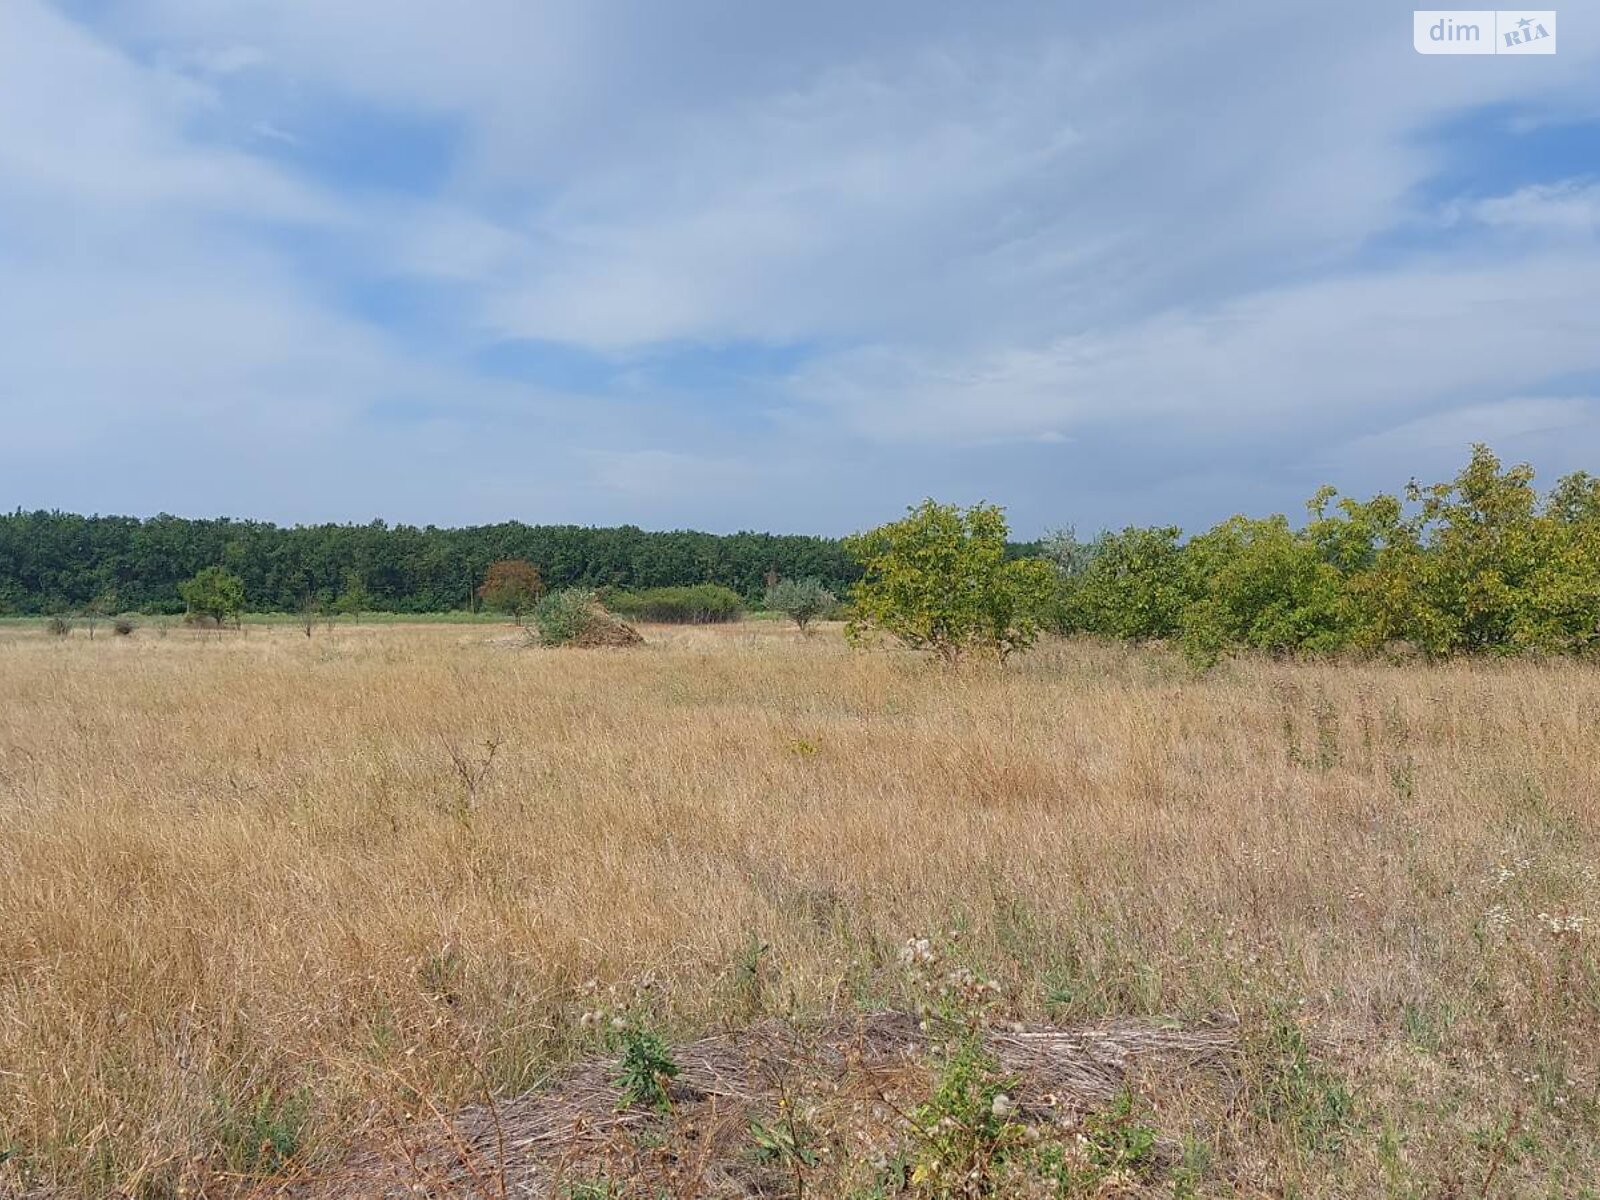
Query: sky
(741, 265)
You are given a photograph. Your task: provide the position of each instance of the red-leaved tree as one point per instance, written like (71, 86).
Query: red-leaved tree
(511, 585)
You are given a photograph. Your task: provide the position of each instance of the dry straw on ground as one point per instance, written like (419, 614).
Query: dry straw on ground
(605, 630)
(259, 893)
(575, 1129)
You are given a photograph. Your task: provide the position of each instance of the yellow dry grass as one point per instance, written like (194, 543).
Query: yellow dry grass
(248, 885)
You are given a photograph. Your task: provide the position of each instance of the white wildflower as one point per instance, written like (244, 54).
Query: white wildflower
(1558, 923)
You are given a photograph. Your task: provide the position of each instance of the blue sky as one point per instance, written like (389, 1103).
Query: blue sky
(742, 265)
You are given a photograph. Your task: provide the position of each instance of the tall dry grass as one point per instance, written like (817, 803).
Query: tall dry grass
(253, 888)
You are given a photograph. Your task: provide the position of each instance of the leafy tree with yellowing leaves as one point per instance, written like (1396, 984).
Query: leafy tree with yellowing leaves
(940, 579)
(1477, 564)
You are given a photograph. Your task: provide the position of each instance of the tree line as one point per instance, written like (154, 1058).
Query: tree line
(62, 562)
(1480, 563)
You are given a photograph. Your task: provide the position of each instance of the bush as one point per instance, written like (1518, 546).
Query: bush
(1261, 585)
(698, 604)
(1477, 564)
(1131, 585)
(939, 579)
(801, 600)
(645, 1069)
(58, 626)
(573, 617)
(561, 617)
(122, 626)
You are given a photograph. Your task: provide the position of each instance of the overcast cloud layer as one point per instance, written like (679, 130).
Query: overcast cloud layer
(736, 265)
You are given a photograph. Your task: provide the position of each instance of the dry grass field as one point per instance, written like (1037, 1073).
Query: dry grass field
(261, 897)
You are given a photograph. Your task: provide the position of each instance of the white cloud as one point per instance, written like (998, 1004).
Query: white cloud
(83, 125)
(272, 133)
(1328, 354)
(914, 175)
(1569, 207)
(1087, 235)
(1497, 423)
(224, 60)
(160, 349)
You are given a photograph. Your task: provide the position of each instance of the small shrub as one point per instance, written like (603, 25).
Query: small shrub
(561, 617)
(965, 1139)
(122, 626)
(699, 604)
(1117, 1140)
(783, 1142)
(964, 1132)
(573, 617)
(801, 600)
(748, 975)
(58, 626)
(645, 1069)
(355, 599)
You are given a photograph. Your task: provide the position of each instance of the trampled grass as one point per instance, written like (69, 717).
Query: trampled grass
(254, 888)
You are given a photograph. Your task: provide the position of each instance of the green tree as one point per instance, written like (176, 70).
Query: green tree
(52, 559)
(1558, 606)
(1575, 500)
(1351, 534)
(1374, 548)
(511, 585)
(1457, 571)
(1263, 585)
(801, 600)
(1134, 586)
(355, 599)
(939, 579)
(215, 593)
(1560, 601)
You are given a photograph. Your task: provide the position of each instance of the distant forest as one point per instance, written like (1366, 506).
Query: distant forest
(1482, 563)
(55, 562)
